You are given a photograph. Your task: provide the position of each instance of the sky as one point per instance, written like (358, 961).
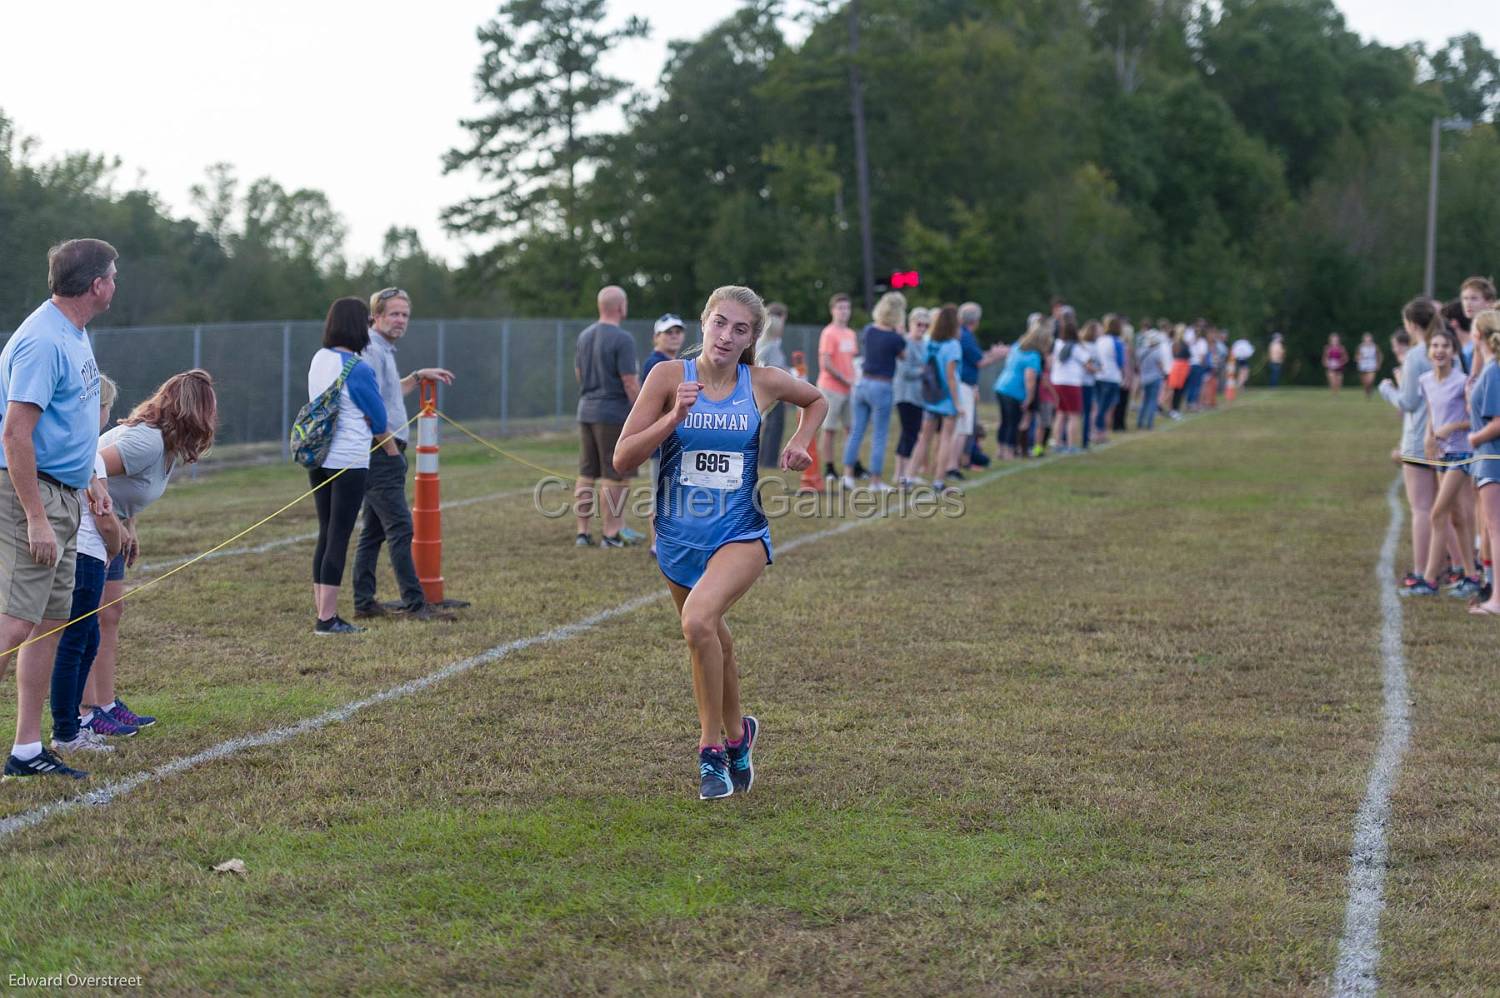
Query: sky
(356, 98)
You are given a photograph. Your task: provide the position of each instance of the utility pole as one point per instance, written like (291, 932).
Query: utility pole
(861, 157)
(1439, 125)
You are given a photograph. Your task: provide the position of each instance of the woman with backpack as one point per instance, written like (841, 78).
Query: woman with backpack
(939, 390)
(339, 475)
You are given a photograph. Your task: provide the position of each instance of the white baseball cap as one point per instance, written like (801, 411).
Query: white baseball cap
(668, 321)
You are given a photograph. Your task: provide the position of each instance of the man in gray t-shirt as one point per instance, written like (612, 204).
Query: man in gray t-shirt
(608, 384)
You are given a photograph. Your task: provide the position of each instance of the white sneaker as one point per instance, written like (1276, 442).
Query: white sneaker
(849, 483)
(87, 740)
(880, 487)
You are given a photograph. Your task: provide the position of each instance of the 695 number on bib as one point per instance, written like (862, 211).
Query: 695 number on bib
(713, 469)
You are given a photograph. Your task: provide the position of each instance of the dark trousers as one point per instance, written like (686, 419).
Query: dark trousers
(1275, 375)
(911, 424)
(1117, 421)
(772, 428)
(387, 521)
(338, 509)
(1009, 434)
(1088, 417)
(1106, 399)
(76, 648)
(1196, 376)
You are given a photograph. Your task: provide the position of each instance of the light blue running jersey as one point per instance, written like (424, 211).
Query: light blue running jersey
(705, 491)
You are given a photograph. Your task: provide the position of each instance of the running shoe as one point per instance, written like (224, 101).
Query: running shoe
(125, 715)
(104, 723)
(860, 471)
(713, 775)
(956, 473)
(45, 764)
(1419, 588)
(1410, 579)
(1453, 576)
(741, 768)
(606, 541)
(1465, 588)
(849, 483)
(583, 541)
(84, 741)
(829, 471)
(631, 536)
(333, 625)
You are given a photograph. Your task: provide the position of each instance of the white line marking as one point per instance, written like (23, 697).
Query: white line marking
(1359, 949)
(161, 566)
(110, 792)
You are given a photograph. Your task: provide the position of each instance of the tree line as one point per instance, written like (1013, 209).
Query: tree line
(1250, 160)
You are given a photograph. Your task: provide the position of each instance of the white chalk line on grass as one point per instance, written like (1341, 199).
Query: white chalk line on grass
(151, 568)
(110, 792)
(1359, 949)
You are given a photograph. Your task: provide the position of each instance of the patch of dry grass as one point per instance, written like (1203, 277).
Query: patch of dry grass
(1106, 731)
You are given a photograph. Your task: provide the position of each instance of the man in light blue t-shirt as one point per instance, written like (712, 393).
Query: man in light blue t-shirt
(49, 427)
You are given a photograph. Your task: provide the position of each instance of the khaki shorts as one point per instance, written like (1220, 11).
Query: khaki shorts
(30, 591)
(596, 457)
(966, 393)
(838, 410)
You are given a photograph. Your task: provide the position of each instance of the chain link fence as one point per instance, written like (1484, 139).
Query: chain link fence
(511, 375)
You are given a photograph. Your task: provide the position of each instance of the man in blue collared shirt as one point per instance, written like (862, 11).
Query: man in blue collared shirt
(387, 515)
(49, 405)
(971, 359)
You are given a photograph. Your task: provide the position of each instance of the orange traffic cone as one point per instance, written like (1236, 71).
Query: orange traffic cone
(812, 480)
(426, 508)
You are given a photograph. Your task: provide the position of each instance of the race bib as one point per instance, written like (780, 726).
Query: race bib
(712, 469)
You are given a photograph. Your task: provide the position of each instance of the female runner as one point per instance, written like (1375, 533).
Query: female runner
(712, 538)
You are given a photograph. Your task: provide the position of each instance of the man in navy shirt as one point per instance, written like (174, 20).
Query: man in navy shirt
(49, 405)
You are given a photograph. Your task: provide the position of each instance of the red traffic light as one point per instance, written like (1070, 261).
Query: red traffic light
(904, 279)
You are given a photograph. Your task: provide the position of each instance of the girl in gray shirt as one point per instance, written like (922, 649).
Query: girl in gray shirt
(1420, 316)
(174, 426)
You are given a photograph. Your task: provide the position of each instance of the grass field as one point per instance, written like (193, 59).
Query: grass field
(1105, 732)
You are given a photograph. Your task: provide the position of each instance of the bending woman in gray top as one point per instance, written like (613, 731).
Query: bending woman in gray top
(174, 426)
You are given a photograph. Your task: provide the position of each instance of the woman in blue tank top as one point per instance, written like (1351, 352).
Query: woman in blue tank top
(712, 538)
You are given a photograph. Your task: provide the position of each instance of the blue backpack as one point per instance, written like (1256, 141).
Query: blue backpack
(312, 430)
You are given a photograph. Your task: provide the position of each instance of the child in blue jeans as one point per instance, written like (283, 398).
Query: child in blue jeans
(99, 540)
